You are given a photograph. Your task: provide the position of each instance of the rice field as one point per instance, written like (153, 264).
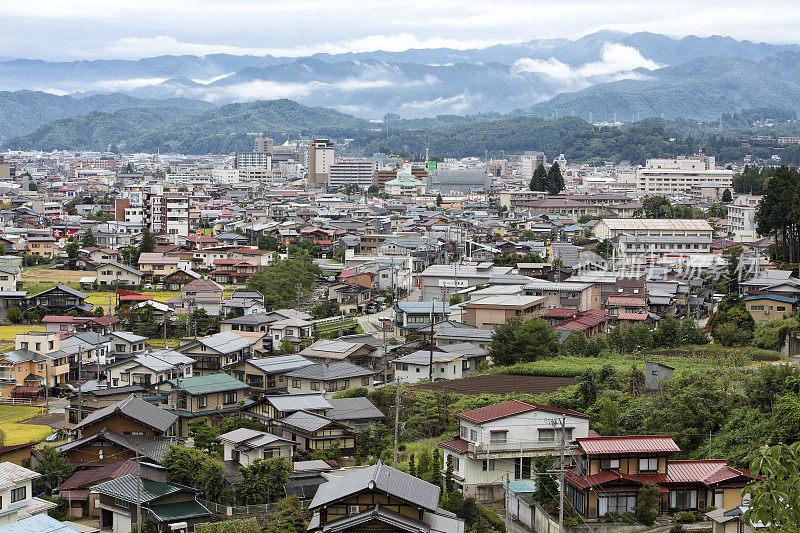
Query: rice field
(14, 431)
(8, 333)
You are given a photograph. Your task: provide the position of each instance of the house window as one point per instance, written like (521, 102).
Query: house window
(229, 397)
(269, 454)
(522, 468)
(202, 401)
(473, 435)
(498, 437)
(648, 464)
(683, 499)
(295, 383)
(622, 502)
(40, 366)
(119, 347)
(464, 432)
(487, 464)
(315, 385)
(17, 494)
(345, 384)
(609, 464)
(547, 435)
(365, 381)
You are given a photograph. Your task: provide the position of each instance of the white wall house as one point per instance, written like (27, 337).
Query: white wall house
(506, 438)
(16, 495)
(248, 445)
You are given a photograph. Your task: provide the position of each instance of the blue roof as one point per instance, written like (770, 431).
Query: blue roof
(38, 523)
(522, 486)
(423, 307)
(776, 297)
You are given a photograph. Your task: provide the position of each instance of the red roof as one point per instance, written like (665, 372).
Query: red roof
(66, 319)
(627, 444)
(558, 312)
(705, 471)
(134, 297)
(86, 478)
(458, 445)
(510, 408)
(627, 301)
(606, 476)
(584, 321)
(632, 316)
(59, 319)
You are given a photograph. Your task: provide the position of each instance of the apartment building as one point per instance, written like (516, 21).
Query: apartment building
(169, 215)
(504, 439)
(320, 159)
(742, 217)
(677, 176)
(656, 247)
(261, 160)
(530, 161)
(352, 171)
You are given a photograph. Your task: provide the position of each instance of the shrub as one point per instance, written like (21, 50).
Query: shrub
(247, 525)
(687, 517)
(647, 504)
(729, 334)
(677, 528)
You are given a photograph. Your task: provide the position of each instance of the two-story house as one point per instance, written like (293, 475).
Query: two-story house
(611, 470)
(767, 307)
(328, 378)
(268, 409)
(125, 345)
(150, 368)
(447, 364)
(216, 351)
(17, 501)
(165, 503)
(289, 323)
(265, 375)
(329, 351)
(213, 396)
(244, 446)
(380, 498)
(504, 439)
(131, 416)
(413, 318)
(316, 432)
(60, 300)
(116, 274)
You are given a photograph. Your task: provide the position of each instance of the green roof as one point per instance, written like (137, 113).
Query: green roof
(124, 488)
(198, 385)
(171, 512)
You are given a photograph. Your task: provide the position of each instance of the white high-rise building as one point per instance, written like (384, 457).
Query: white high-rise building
(320, 159)
(677, 176)
(351, 170)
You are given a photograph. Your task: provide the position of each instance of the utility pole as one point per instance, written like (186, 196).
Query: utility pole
(396, 415)
(430, 362)
(385, 354)
(505, 507)
(138, 492)
(165, 330)
(561, 475)
(80, 390)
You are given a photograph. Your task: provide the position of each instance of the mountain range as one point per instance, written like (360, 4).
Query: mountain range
(604, 76)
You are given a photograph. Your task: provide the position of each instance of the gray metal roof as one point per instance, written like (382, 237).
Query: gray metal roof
(329, 371)
(128, 337)
(226, 342)
(279, 363)
(422, 357)
(23, 355)
(383, 478)
(125, 488)
(380, 514)
(464, 333)
(353, 409)
(465, 348)
(137, 409)
(249, 439)
(423, 307)
(298, 402)
(306, 421)
(151, 447)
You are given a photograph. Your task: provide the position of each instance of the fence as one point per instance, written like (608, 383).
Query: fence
(16, 401)
(243, 511)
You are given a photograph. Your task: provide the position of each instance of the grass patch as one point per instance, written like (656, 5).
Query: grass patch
(15, 432)
(417, 447)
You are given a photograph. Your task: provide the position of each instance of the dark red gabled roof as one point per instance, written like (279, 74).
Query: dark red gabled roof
(458, 445)
(510, 408)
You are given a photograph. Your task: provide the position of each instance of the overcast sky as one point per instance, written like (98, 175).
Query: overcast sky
(92, 29)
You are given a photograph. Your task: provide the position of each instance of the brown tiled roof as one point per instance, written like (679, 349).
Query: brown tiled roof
(509, 408)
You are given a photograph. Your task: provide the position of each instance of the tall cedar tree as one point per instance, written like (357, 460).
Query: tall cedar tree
(554, 182)
(538, 179)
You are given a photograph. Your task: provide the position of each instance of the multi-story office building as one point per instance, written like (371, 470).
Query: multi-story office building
(351, 170)
(678, 176)
(531, 160)
(608, 228)
(263, 145)
(253, 160)
(320, 159)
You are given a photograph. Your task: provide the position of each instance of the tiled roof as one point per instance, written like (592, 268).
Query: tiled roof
(137, 409)
(124, 488)
(86, 478)
(198, 385)
(628, 444)
(329, 371)
(632, 316)
(457, 445)
(510, 408)
(11, 474)
(629, 301)
(584, 320)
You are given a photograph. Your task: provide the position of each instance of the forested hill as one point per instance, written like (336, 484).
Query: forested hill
(22, 111)
(232, 127)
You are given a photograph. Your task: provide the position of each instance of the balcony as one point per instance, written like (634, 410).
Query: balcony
(514, 449)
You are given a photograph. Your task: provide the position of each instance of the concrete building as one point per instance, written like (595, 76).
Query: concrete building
(531, 160)
(567, 295)
(352, 171)
(440, 281)
(169, 215)
(253, 160)
(451, 181)
(609, 228)
(320, 159)
(742, 217)
(678, 176)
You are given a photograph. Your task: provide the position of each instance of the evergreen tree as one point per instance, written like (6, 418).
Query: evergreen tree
(147, 243)
(554, 182)
(726, 196)
(412, 468)
(88, 239)
(538, 179)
